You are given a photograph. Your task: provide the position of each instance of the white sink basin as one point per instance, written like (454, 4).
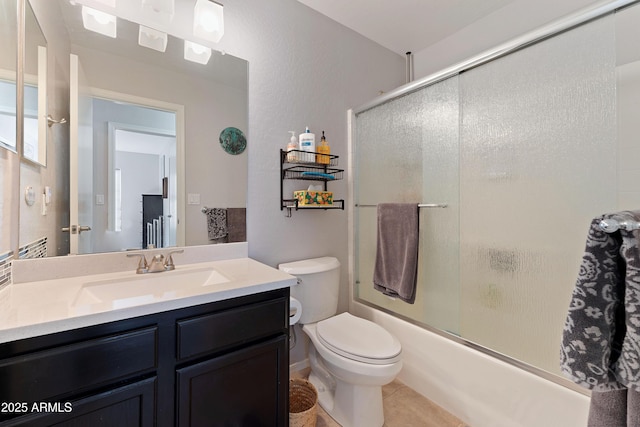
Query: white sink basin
(146, 288)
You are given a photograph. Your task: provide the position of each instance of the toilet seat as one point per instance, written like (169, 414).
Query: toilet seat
(358, 339)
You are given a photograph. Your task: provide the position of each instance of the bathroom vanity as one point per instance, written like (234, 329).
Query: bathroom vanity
(214, 357)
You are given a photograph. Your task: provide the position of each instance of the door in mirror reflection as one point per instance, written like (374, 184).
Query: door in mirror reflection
(7, 114)
(141, 207)
(80, 159)
(124, 156)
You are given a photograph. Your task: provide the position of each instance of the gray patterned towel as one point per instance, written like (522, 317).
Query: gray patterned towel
(601, 337)
(216, 223)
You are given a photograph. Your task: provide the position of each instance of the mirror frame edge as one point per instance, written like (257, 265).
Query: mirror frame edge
(20, 55)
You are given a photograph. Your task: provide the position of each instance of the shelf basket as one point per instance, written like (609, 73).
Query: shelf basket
(293, 204)
(313, 173)
(300, 156)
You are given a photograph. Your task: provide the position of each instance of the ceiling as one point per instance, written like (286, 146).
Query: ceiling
(406, 25)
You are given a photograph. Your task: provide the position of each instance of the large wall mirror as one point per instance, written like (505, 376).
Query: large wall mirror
(8, 47)
(8, 147)
(145, 164)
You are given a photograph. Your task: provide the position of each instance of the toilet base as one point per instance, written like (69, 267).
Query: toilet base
(350, 405)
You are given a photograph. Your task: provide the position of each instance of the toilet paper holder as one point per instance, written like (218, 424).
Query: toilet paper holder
(295, 311)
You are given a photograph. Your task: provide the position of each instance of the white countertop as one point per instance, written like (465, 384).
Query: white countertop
(43, 307)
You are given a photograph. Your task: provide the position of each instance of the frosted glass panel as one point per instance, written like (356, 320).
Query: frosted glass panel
(523, 150)
(407, 151)
(537, 162)
(628, 94)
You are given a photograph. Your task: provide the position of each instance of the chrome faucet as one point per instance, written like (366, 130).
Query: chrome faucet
(158, 264)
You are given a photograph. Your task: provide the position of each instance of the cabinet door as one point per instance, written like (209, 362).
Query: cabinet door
(130, 406)
(248, 387)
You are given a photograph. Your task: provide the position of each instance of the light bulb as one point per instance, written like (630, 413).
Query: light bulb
(209, 21)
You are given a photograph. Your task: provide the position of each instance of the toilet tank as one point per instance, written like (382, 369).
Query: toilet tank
(318, 287)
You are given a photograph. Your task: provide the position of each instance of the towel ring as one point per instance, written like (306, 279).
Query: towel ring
(611, 225)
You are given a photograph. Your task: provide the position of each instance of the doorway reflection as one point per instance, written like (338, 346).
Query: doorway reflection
(134, 175)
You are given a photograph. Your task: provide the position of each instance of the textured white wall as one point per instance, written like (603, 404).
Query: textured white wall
(304, 70)
(513, 20)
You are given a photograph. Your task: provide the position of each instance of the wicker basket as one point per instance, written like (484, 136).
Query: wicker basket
(303, 403)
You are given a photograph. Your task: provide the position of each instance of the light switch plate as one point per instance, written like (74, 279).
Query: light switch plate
(193, 199)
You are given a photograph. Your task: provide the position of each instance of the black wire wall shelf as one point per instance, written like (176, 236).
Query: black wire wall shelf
(308, 166)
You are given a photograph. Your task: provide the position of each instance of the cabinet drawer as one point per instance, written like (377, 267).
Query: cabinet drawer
(73, 368)
(131, 405)
(211, 332)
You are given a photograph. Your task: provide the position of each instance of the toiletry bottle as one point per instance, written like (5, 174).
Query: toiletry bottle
(292, 157)
(308, 144)
(323, 148)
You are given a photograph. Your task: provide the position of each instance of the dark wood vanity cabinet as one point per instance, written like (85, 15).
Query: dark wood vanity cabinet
(223, 363)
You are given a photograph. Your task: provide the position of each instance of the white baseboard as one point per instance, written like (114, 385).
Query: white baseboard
(299, 366)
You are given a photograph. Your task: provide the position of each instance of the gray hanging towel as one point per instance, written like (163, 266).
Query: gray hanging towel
(608, 409)
(614, 408)
(237, 224)
(600, 341)
(396, 269)
(216, 222)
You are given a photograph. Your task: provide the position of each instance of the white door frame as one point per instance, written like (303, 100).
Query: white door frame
(178, 110)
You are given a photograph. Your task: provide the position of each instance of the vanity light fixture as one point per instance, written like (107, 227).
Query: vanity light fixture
(153, 39)
(98, 21)
(208, 20)
(164, 9)
(196, 52)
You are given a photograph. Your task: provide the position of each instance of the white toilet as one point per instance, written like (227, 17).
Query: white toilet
(351, 358)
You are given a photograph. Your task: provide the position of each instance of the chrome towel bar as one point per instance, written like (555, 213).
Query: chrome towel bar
(420, 205)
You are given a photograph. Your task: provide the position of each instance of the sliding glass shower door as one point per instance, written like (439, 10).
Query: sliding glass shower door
(407, 151)
(523, 151)
(537, 163)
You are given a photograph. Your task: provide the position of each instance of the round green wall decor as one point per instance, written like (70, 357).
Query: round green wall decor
(233, 140)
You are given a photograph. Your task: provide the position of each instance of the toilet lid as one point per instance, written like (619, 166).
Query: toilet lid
(358, 339)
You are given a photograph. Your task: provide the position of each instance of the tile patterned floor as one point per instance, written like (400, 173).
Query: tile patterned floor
(403, 407)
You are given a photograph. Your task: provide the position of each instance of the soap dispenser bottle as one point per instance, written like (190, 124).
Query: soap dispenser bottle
(323, 148)
(292, 156)
(308, 144)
